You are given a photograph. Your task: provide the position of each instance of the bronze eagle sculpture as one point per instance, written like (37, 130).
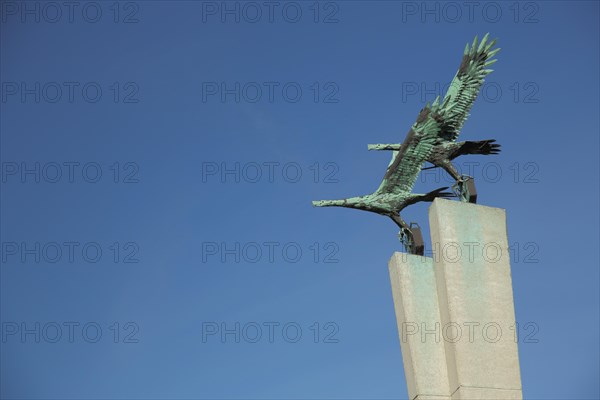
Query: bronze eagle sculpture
(431, 138)
(461, 95)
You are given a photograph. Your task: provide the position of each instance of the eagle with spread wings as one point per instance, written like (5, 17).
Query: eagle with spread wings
(461, 95)
(437, 125)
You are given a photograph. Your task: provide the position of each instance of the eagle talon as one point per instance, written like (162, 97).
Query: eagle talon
(465, 189)
(412, 239)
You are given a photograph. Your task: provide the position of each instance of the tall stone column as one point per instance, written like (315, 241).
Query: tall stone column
(474, 291)
(417, 314)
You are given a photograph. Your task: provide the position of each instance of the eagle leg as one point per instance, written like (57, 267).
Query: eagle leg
(410, 235)
(449, 168)
(465, 184)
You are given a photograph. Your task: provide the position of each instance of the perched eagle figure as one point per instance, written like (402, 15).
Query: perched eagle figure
(460, 98)
(395, 191)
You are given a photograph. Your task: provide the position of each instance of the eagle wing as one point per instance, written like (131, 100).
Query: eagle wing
(466, 84)
(403, 170)
(440, 122)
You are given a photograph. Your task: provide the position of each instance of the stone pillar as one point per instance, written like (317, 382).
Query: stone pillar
(417, 315)
(474, 289)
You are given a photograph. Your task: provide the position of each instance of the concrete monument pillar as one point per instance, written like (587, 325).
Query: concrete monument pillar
(455, 311)
(474, 287)
(417, 312)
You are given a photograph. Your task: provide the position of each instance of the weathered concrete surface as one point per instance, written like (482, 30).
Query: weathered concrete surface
(474, 287)
(416, 305)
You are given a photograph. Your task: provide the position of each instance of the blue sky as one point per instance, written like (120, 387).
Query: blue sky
(128, 119)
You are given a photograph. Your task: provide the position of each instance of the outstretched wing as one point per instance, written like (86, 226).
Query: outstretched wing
(403, 170)
(466, 84)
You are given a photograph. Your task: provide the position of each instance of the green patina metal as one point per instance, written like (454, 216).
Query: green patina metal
(432, 138)
(461, 95)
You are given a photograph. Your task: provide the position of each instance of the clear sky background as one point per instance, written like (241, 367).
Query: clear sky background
(164, 129)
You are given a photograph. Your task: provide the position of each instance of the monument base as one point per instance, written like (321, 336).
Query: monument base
(471, 393)
(455, 310)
